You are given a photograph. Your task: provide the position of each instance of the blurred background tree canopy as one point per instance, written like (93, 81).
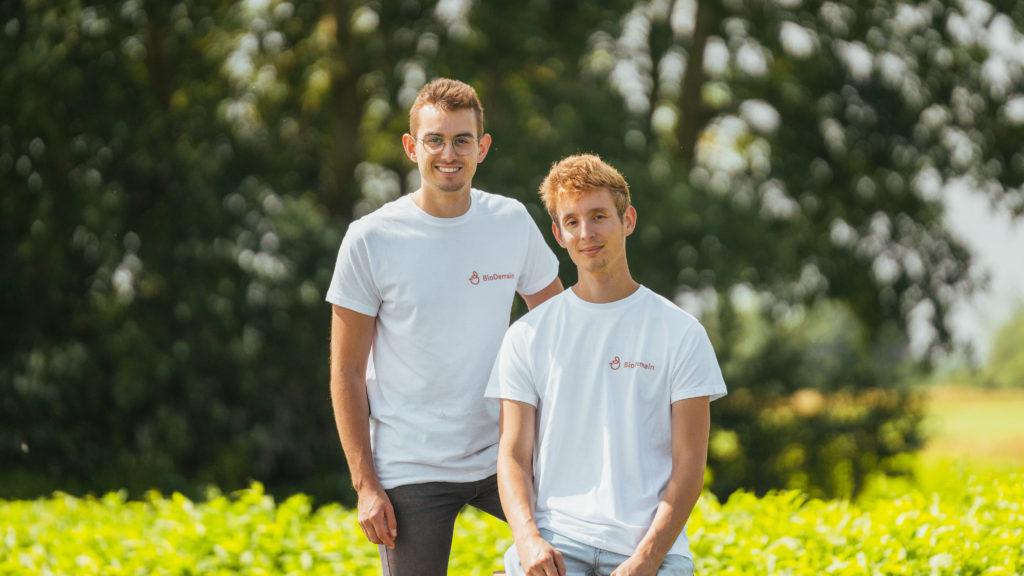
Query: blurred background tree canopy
(176, 178)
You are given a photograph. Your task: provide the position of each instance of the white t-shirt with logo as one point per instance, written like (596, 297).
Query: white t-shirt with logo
(442, 291)
(603, 378)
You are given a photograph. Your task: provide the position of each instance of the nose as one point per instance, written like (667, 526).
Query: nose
(586, 229)
(448, 151)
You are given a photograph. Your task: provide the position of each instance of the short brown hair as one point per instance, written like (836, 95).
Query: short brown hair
(447, 94)
(574, 176)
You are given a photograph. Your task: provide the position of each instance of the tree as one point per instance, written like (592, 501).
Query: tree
(828, 129)
(177, 177)
(167, 250)
(803, 161)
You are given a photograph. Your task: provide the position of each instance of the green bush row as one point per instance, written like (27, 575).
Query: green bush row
(972, 524)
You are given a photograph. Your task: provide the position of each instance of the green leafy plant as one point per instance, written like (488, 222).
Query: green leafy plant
(960, 524)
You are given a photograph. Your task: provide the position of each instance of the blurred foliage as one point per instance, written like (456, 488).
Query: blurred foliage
(165, 250)
(892, 530)
(1005, 365)
(813, 405)
(176, 177)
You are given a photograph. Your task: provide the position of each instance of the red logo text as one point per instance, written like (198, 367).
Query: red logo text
(477, 278)
(617, 363)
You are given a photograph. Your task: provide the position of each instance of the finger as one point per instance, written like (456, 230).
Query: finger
(380, 527)
(392, 521)
(551, 567)
(387, 525)
(559, 563)
(544, 569)
(548, 567)
(370, 531)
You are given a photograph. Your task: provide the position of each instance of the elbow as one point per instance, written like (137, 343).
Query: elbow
(511, 464)
(347, 381)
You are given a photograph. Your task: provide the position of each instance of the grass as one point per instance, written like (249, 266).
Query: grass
(978, 426)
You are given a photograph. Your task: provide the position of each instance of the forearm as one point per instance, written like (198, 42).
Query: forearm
(673, 512)
(351, 340)
(515, 469)
(690, 427)
(516, 489)
(352, 418)
(515, 486)
(538, 298)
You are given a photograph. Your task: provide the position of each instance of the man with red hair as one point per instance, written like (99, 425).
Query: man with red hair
(605, 394)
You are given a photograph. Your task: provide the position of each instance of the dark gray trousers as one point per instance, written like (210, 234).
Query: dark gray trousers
(425, 514)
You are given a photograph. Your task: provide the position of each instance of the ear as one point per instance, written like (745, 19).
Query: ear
(558, 234)
(483, 145)
(629, 219)
(409, 144)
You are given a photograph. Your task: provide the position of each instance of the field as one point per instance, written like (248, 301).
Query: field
(985, 427)
(963, 517)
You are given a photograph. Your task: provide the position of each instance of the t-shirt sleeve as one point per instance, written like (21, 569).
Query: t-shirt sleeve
(353, 285)
(540, 267)
(696, 372)
(511, 377)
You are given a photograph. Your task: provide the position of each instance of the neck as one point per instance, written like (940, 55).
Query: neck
(601, 289)
(442, 204)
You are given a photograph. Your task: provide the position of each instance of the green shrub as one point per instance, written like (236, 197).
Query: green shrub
(813, 404)
(969, 524)
(244, 534)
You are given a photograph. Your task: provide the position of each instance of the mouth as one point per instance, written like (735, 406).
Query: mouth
(449, 169)
(590, 250)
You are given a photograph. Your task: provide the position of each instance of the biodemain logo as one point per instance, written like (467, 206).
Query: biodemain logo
(476, 278)
(617, 363)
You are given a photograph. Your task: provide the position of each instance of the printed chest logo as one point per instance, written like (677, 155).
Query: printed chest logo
(476, 278)
(617, 363)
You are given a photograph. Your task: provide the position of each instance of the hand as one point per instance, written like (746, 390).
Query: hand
(539, 558)
(636, 566)
(377, 516)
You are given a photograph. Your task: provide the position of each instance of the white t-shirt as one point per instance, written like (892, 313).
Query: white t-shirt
(442, 291)
(603, 378)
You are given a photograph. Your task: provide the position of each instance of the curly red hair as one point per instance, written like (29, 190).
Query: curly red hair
(573, 176)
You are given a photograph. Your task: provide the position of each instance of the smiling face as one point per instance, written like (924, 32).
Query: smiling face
(588, 225)
(446, 171)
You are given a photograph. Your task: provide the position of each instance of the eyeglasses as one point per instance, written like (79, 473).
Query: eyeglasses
(463, 145)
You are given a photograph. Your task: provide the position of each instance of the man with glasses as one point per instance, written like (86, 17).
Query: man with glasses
(421, 294)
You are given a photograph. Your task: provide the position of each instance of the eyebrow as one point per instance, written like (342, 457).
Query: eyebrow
(591, 211)
(470, 134)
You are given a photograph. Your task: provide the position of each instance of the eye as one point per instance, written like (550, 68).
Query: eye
(433, 140)
(463, 141)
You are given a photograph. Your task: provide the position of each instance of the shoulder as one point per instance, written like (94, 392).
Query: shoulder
(498, 205)
(660, 307)
(535, 319)
(382, 219)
